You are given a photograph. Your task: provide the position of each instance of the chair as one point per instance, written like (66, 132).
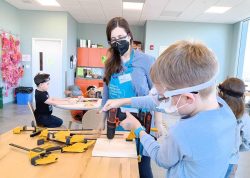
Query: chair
(74, 121)
(33, 114)
(91, 119)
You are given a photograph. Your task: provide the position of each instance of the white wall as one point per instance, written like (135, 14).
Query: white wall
(218, 37)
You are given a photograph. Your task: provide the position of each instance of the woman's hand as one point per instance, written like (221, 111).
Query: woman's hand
(115, 103)
(101, 125)
(80, 98)
(130, 123)
(72, 101)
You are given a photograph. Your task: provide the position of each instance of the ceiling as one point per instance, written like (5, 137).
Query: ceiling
(100, 11)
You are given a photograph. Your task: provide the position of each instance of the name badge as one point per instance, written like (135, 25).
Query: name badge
(124, 78)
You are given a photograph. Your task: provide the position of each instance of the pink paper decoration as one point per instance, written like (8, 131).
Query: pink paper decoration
(10, 65)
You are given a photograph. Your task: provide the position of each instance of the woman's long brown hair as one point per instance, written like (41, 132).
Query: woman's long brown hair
(235, 103)
(113, 63)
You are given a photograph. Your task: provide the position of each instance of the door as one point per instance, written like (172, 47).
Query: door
(47, 58)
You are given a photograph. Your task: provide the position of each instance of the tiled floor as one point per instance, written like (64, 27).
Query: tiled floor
(13, 115)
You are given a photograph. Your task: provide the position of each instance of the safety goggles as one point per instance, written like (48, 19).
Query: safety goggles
(193, 89)
(114, 40)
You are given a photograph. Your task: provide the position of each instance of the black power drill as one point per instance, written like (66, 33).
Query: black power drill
(115, 116)
(112, 123)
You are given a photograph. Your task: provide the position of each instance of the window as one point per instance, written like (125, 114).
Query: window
(243, 62)
(246, 60)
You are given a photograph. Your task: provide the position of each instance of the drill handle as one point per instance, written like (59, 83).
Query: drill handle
(53, 148)
(147, 122)
(20, 147)
(35, 133)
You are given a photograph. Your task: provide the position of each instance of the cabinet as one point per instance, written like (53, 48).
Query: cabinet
(82, 57)
(90, 57)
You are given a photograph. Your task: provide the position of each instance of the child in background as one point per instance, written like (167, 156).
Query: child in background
(43, 112)
(74, 91)
(232, 91)
(91, 93)
(200, 145)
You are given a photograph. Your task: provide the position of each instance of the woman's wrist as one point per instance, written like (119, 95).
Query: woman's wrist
(126, 101)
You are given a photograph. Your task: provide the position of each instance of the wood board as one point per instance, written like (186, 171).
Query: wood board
(119, 148)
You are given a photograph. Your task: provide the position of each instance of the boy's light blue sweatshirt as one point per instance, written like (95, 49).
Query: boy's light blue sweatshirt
(196, 147)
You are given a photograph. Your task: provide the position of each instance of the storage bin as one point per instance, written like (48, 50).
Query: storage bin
(23, 98)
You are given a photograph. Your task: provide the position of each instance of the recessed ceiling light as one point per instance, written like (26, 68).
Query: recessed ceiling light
(48, 2)
(132, 5)
(217, 9)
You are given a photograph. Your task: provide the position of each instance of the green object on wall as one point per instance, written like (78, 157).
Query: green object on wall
(1, 97)
(79, 71)
(104, 58)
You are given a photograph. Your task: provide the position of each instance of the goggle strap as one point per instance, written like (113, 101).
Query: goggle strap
(195, 88)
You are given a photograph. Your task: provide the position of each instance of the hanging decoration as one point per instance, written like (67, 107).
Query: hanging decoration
(10, 65)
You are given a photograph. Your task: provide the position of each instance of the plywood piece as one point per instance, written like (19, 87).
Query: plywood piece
(114, 148)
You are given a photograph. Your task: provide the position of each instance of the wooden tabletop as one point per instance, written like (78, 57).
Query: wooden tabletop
(14, 162)
(87, 104)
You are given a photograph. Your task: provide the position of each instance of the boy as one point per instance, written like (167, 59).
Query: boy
(74, 91)
(43, 112)
(91, 91)
(200, 145)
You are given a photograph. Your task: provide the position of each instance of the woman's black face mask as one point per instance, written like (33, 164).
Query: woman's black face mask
(120, 46)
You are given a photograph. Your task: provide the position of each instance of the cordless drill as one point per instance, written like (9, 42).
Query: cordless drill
(114, 118)
(112, 123)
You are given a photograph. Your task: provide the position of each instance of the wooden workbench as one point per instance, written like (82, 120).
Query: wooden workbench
(14, 162)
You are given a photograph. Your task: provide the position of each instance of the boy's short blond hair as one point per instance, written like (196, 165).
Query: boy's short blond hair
(184, 64)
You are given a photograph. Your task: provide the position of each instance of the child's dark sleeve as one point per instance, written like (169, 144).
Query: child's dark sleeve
(42, 97)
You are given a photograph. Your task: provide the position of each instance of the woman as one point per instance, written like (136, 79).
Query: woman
(126, 75)
(232, 91)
